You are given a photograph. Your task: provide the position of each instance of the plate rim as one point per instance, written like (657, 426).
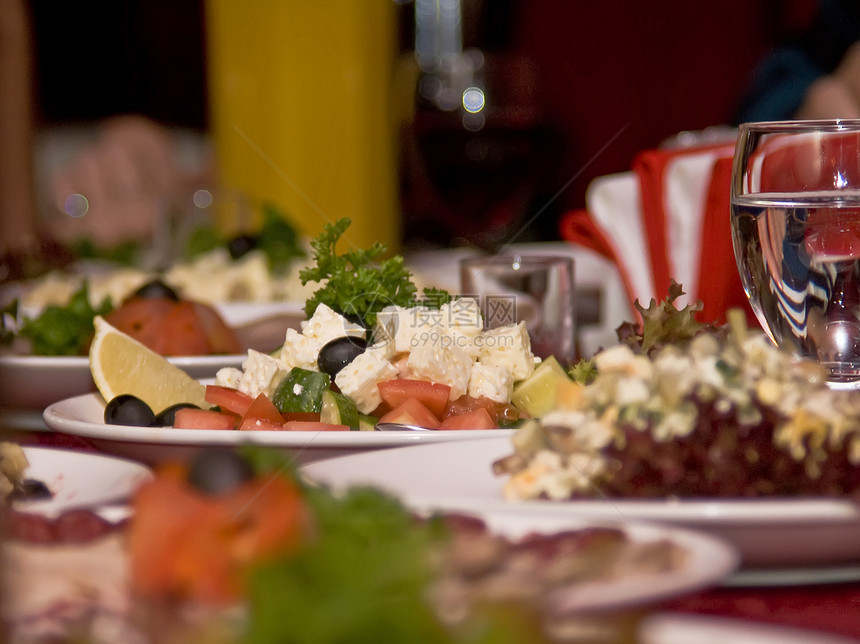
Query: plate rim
(722, 512)
(130, 469)
(55, 418)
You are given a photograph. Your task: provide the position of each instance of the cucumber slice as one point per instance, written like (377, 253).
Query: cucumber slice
(367, 423)
(338, 409)
(536, 395)
(301, 391)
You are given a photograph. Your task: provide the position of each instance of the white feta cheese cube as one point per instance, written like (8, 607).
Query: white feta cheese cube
(228, 377)
(463, 315)
(462, 320)
(442, 363)
(261, 374)
(489, 381)
(408, 328)
(326, 325)
(300, 350)
(509, 347)
(358, 379)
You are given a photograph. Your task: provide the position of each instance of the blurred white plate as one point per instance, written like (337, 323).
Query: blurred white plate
(778, 532)
(706, 562)
(83, 416)
(79, 479)
(34, 382)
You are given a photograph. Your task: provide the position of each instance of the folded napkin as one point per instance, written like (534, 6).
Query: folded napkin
(668, 218)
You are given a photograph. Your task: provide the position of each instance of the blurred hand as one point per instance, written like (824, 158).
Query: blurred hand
(836, 95)
(119, 187)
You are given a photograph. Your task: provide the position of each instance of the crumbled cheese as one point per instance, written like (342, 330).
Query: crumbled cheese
(359, 378)
(589, 433)
(228, 377)
(326, 325)
(300, 350)
(509, 347)
(261, 374)
(462, 320)
(409, 328)
(444, 364)
(13, 463)
(490, 381)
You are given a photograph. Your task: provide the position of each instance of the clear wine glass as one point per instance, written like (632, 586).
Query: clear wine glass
(795, 199)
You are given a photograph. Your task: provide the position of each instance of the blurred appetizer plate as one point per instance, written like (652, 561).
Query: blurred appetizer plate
(678, 561)
(84, 416)
(34, 382)
(777, 533)
(79, 479)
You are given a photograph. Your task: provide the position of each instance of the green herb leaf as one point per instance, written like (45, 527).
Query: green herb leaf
(663, 323)
(435, 298)
(356, 284)
(583, 371)
(278, 239)
(64, 330)
(8, 313)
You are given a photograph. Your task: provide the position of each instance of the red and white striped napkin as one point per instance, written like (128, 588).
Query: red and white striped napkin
(667, 218)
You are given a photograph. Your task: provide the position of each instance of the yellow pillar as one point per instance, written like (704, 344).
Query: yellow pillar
(302, 113)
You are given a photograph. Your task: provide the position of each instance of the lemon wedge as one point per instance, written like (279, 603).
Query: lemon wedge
(121, 365)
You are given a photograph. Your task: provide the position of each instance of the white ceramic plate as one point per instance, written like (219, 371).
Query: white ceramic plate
(80, 479)
(83, 416)
(707, 561)
(34, 382)
(666, 628)
(768, 533)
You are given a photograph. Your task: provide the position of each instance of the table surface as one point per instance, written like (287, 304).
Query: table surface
(827, 607)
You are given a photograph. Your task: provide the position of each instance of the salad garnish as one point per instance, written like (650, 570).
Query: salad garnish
(662, 323)
(277, 239)
(358, 284)
(64, 330)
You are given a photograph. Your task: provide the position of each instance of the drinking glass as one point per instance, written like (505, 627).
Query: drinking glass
(535, 289)
(795, 200)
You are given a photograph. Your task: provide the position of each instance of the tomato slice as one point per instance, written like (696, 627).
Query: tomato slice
(228, 399)
(434, 396)
(221, 338)
(263, 409)
(203, 419)
(504, 414)
(187, 544)
(312, 426)
(311, 416)
(259, 425)
(411, 412)
(181, 333)
(476, 419)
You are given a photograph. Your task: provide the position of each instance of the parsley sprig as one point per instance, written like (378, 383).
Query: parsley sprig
(357, 284)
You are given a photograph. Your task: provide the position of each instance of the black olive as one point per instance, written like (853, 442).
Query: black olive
(167, 417)
(241, 245)
(338, 353)
(31, 490)
(126, 409)
(218, 470)
(157, 289)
